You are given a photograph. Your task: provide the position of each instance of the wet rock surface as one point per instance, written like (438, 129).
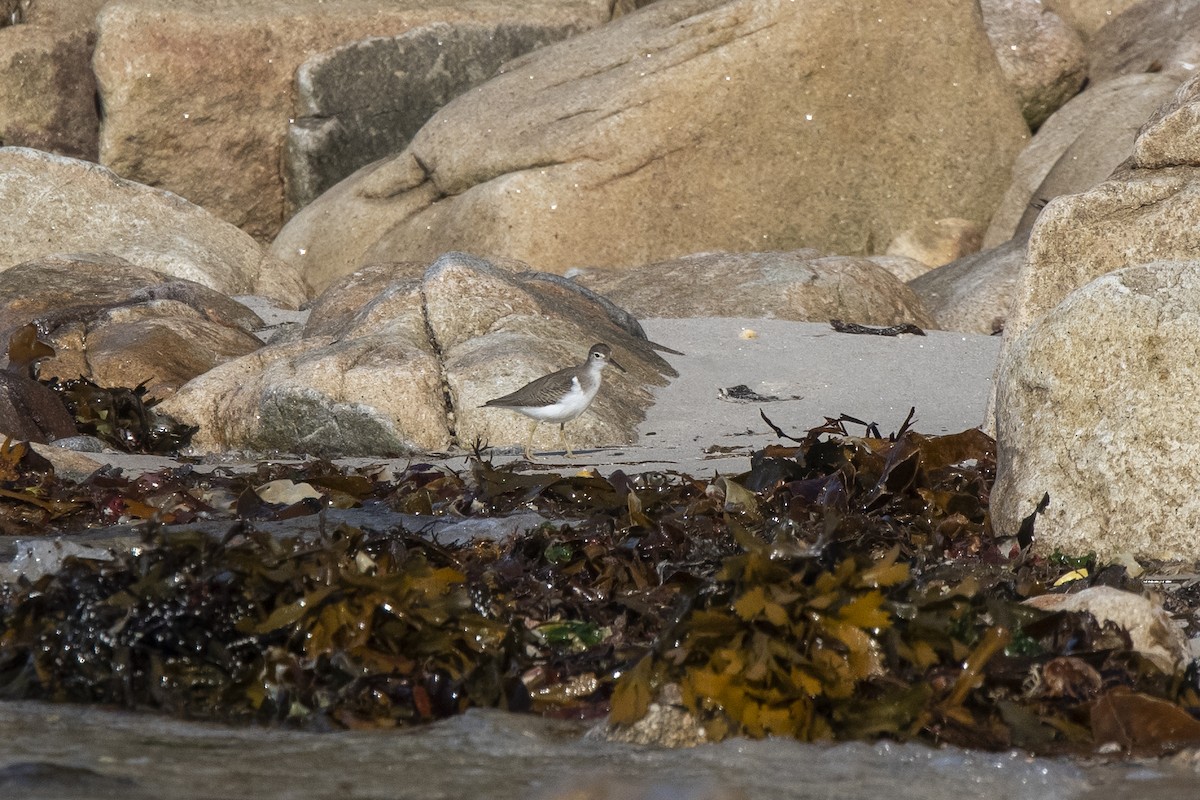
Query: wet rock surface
(505, 756)
(112, 322)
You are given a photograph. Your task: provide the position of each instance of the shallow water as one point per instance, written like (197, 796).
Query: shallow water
(52, 752)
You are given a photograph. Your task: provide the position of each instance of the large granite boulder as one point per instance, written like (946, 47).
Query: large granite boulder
(122, 325)
(1095, 384)
(1078, 147)
(1099, 407)
(48, 99)
(1041, 56)
(975, 293)
(693, 125)
(52, 204)
(1148, 210)
(362, 101)
(799, 285)
(393, 361)
(1152, 36)
(198, 94)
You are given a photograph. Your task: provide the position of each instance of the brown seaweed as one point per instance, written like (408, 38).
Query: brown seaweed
(845, 587)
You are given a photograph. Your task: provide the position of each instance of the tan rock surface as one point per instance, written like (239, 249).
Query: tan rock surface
(1098, 405)
(198, 93)
(902, 267)
(498, 331)
(1094, 384)
(357, 298)
(1142, 216)
(1040, 54)
(974, 293)
(51, 204)
(164, 345)
(371, 395)
(630, 143)
(62, 14)
(1078, 147)
(937, 242)
(1089, 16)
(791, 285)
(391, 364)
(48, 98)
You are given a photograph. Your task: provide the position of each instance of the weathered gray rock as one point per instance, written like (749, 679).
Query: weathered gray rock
(938, 242)
(363, 101)
(1041, 56)
(1098, 405)
(368, 379)
(795, 285)
(122, 325)
(1078, 147)
(198, 94)
(51, 204)
(630, 143)
(975, 293)
(622, 7)
(1089, 16)
(1150, 36)
(1151, 630)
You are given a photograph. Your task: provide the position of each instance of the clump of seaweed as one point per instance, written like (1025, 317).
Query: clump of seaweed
(121, 417)
(845, 587)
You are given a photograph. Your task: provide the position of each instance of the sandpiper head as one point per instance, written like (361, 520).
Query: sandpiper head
(601, 354)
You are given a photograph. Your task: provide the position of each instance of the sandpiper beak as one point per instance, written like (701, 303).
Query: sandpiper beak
(616, 364)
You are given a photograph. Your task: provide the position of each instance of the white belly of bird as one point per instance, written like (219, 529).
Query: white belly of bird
(568, 407)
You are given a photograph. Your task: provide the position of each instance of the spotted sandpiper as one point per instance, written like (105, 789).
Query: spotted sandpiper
(560, 396)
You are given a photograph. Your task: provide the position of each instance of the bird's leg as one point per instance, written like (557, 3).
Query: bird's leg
(562, 434)
(529, 443)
